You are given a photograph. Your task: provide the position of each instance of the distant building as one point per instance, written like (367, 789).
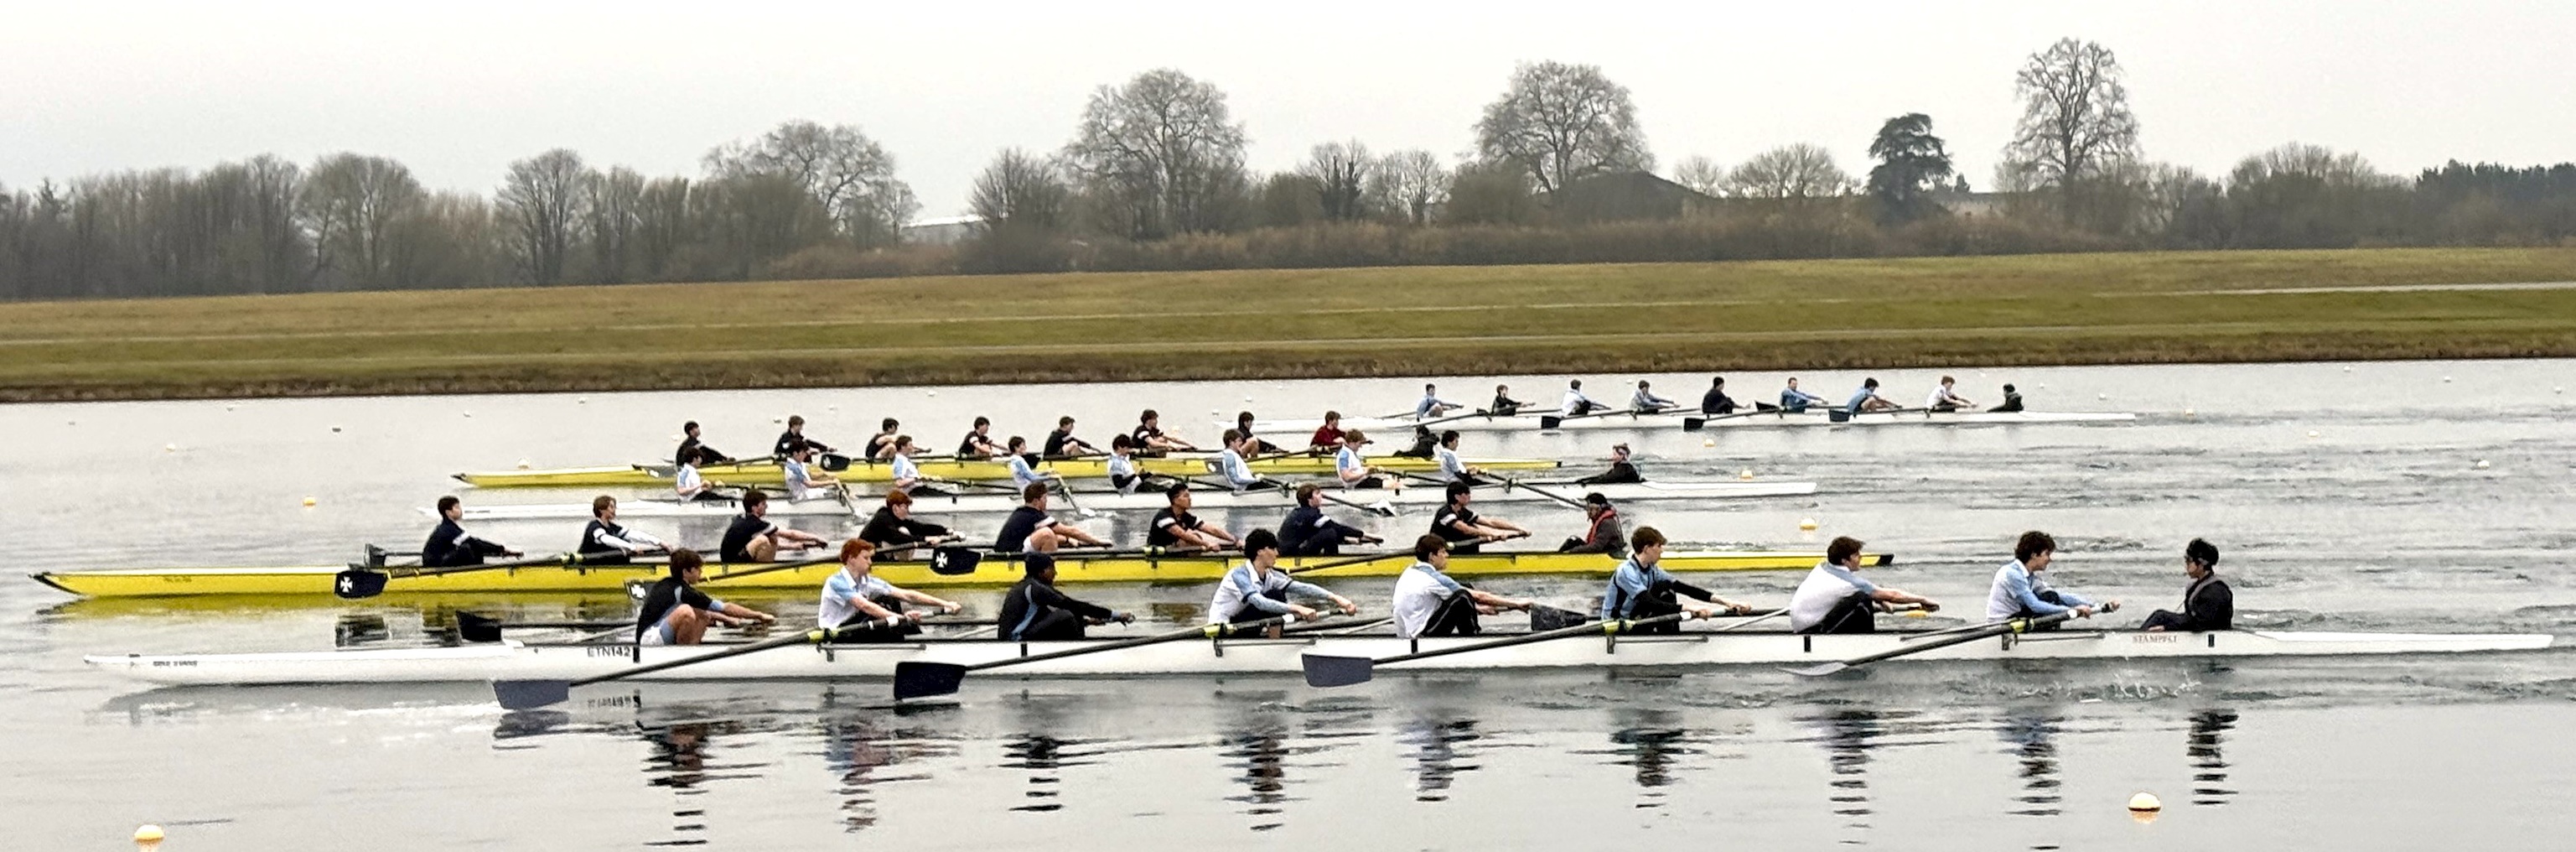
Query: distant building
(1625, 196)
(1971, 203)
(949, 230)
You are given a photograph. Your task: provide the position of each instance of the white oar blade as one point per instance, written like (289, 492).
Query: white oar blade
(1325, 672)
(531, 694)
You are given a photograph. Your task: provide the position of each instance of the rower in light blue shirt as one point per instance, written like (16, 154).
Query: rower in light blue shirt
(2019, 592)
(1867, 399)
(1018, 462)
(1230, 464)
(1793, 400)
(1432, 405)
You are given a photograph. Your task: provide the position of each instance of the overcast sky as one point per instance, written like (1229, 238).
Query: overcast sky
(458, 89)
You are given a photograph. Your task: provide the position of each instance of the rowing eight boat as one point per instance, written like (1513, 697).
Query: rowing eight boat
(1204, 500)
(1690, 649)
(768, 473)
(1072, 566)
(1400, 426)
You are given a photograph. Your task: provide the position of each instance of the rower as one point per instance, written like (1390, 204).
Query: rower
(1867, 399)
(1257, 589)
(903, 473)
(1716, 401)
(1453, 469)
(1230, 464)
(1030, 527)
(1834, 599)
(1504, 405)
(1243, 424)
(692, 452)
(803, 482)
(603, 542)
(1353, 468)
(1150, 439)
(676, 613)
(1174, 527)
(2019, 592)
(881, 445)
(1121, 466)
(1061, 443)
(978, 443)
(1795, 401)
(2012, 401)
(752, 538)
(449, 546)
(1033, 611)
(1644, 401)
(1641, 589)
(1575, 402)
(794, 437)
(864, 606)
(1944, 398)
(1328, 436)
(894, 526)
(1432, 405)
(1621, 471)
(1016, 460)
(1603, 535)
(1429, 603)
(2207, 604)
(691, 485)
(1462, 528)
(1307, 532)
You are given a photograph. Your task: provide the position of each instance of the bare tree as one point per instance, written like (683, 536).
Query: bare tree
(1160, 155)
(848, 174)
(351, 203)
(1021, 190)
(271, 188)
(663, 224)
(1410, 184)
(541, 201)
(2075, 121)
(1562, 123)
(1702, 175)
(615, 201)
(1340, 172)
(1790, 172)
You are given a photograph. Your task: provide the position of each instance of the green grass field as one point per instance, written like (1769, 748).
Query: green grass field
(1922, 312)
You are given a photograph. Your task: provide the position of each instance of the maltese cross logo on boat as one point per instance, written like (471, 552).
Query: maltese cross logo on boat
(347, 586)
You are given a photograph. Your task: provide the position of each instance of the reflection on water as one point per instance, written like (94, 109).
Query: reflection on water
(2033, 737)
(1042, 755)
(2209, 767)
(679, 761)
(1261, 754)
(1849, 735)
(1652, 742)
(1434, 743)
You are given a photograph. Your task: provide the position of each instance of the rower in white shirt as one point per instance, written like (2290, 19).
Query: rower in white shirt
(1432, 405)
(1230, 464)
(1834, 598)
(1017, 460)
(1429, 603)
(906, 475)
(1452, 469)
(803, 483)
(1121, 465)
(1575, 402)
(1644, 401)
(604, 542)
(692, 486)
(1257, 589)
(1945, 398)
(1353, 468)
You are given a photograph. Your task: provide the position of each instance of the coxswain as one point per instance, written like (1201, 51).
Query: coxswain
(881, 444)
(1174, 527)
(2012, 401)
(1431, 405)
(894, 526)
(1254, 444)
(752, 538)
(1034, 611)
(1644, 401)
(1602, 534)
(693, 452)
(1030, 527)
(794, 437)
(1430, 603)
(2019, 592)
(865, 607)
(1150, 439)
(1621, 471)
(978, 443)
(1061, 444)
(1353, 469)
(603, 542)
(1795, 401)
(1716, 401)
(1257, 589)
(1462, 528)
(1424, 444)
(1576, 403)
(1834, 599)
(1328, 436)
(1504, 405)
(802, 480)
(1452, 468)
(1016, 460)
(1307, 532)
(1641, 589)
(676, 613)
(2207, 604)
(1866, 399)
(1945, 398)
(449, 546)
(1231, 464)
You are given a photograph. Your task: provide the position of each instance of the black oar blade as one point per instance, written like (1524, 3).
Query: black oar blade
(1327, 671)
(1546, 618)
(1693, 424)
(1549, 421)
(531, 694)
(476, 628)
(917, 679)
(1818, 670)
(954, 561)
(357, 583)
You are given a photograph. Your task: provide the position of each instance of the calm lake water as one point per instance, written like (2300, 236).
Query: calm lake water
(2409, 496)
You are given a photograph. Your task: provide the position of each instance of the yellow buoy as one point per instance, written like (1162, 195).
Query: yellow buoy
(2482, 464)
(148, 833)
(1708, 442)
(523, 464)
(169, 448)
(2145, 802)
(308, 502)
(1807, 524)
(2190, 413)
(1746, 474)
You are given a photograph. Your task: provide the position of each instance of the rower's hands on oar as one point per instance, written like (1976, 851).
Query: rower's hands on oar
(1346, 606)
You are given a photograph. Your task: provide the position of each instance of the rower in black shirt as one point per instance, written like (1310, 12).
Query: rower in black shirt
(978, 443)
(794, 437)
(1621, 471)
(693, 452)
(752, 538)
(1031, 528)
(449, 546)
(604, 542)
(1062, 444)
(1174, 526)
(1307, 532)
(1149, 437)
(894, 526)
(881, 444)
(676, 613)
(1504, 405)
(1716, 401)
(1243, 426)
(2012, 400)
(2207, 604)
(1463, 528)
(1033, 611)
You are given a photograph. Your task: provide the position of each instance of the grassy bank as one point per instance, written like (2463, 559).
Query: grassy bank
(2054, 309)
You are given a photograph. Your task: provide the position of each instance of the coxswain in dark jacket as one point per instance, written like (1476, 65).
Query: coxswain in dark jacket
(2207, 604)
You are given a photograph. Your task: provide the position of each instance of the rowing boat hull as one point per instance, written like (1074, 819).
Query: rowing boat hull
(1281, 657)
(1106, 501)
(1400, 427)
(770, 474)
(1071, 567)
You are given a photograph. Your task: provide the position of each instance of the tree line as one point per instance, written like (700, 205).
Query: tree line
(1154, 178)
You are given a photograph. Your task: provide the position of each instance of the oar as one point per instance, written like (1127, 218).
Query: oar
(1066, 489)
(1510, 483)
(1551, 421)
(1326, 671)
(529, 694)
(1467, 416)
(2018, 625)
(921, 678)
(1694, 424)
(1382, 509)
(361, 582)
(1345, 563)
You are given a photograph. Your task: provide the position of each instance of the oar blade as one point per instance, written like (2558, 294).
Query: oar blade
(1544, 618)
(1818, 670)
(954, 561)
(356, 582)
(475, 628)
(1693, 424)
(920, 679)
(1324, 672)
(531, 694)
